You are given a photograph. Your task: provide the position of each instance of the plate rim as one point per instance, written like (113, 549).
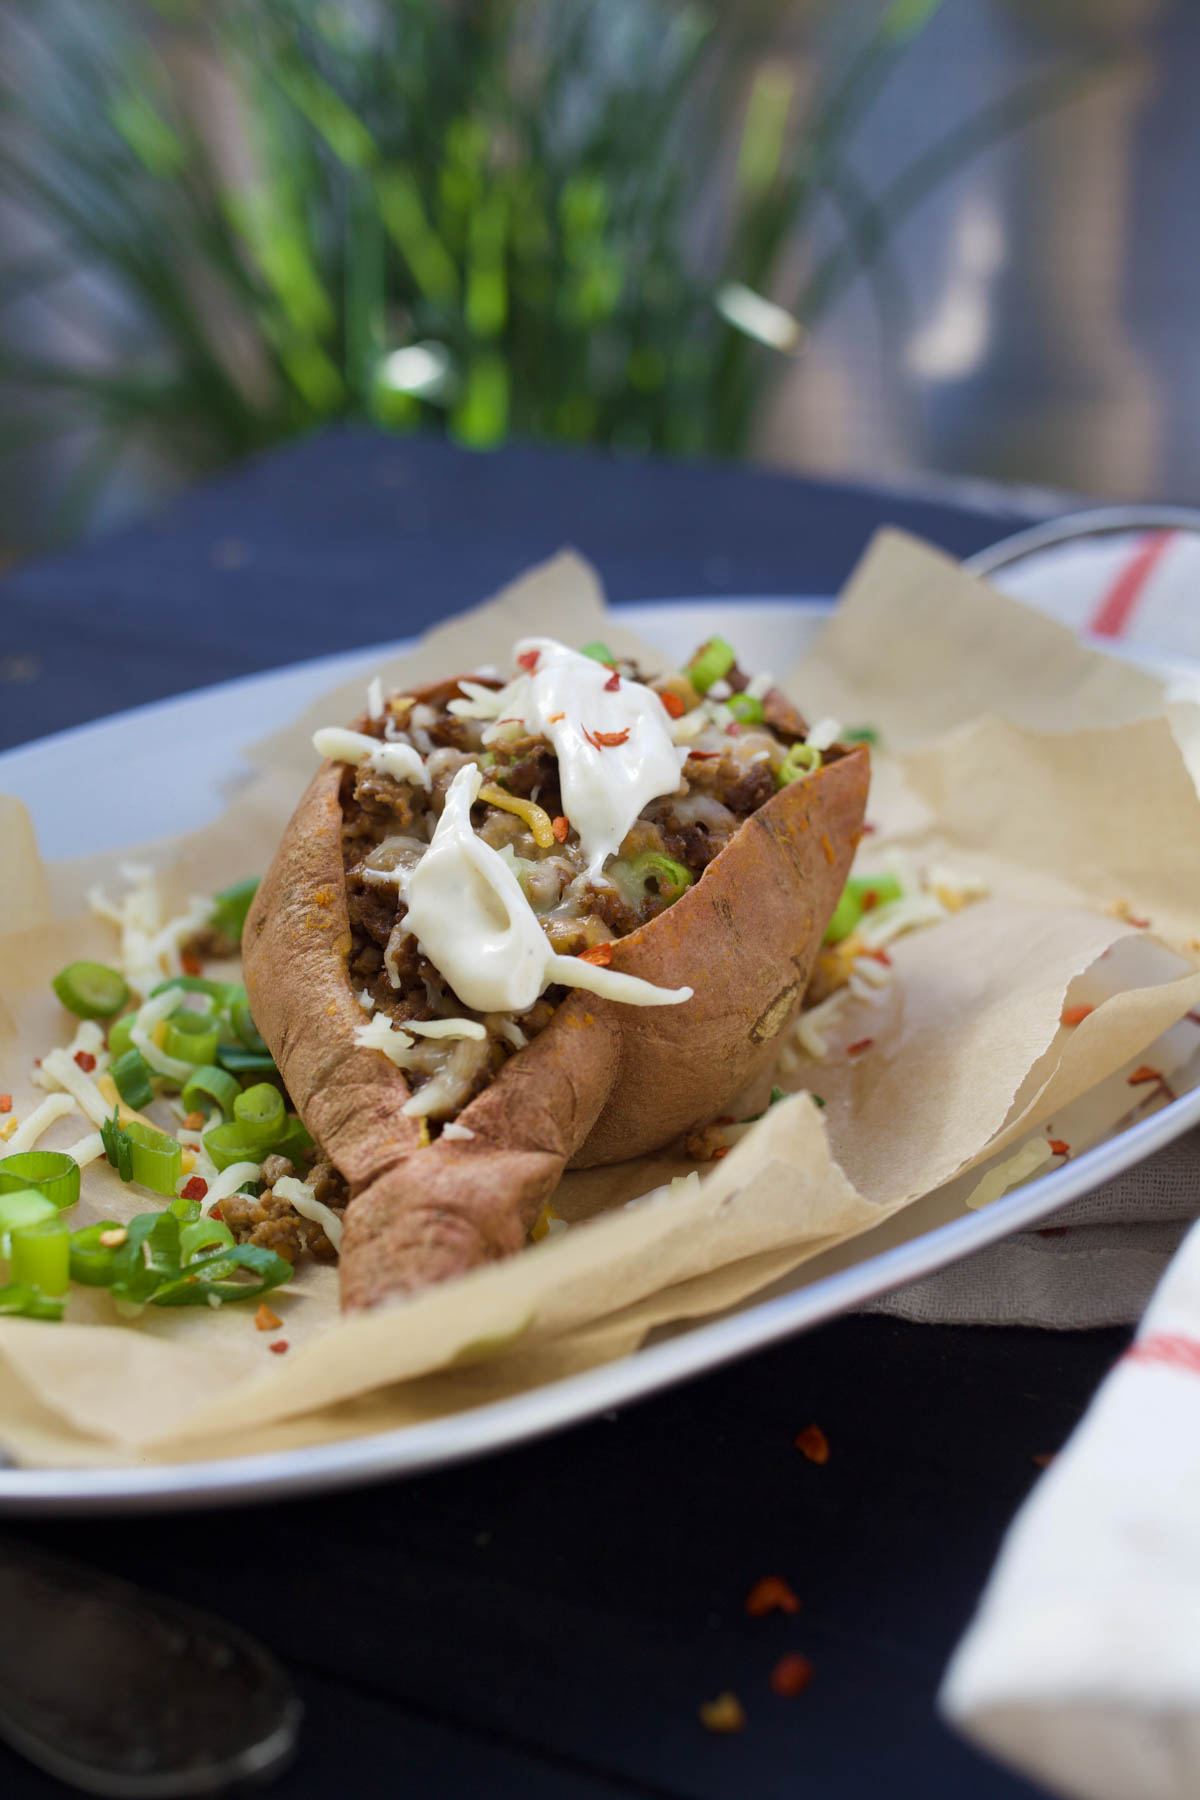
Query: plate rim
(409, 1450)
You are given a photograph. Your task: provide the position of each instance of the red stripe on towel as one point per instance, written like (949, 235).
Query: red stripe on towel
(1116, 608)
(1170, 1347)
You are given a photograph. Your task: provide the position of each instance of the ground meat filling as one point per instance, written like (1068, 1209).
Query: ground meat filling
(730, 772)
(271, 1222)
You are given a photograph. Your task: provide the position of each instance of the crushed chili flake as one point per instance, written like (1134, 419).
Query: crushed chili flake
(279, 1347)
(1138, 923)
(733, 729)
(879, 956)
(673, 704)
(791, 1675)
(704, 755)
(193, 1121)
(1143, 1074)
(613, 683)
(602, 740)
(86, 1061)
(719, 1153)
(190, 963)
(771, 1594)
(812, 1443)
(869, 900)
(868, 830)
(1060, 1147)
(560, 828)
(216, 1213)
(725, 1713)
(528, 660)
(600, 954)
(194, 1189)
(1074, 1015)
(555, 718)
(5, 1103)
(265, 1319)
(859, 1046)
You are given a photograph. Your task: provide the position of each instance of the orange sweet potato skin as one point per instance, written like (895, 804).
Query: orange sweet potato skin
(602, 1082)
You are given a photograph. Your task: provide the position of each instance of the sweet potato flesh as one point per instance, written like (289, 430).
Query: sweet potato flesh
(725, 886)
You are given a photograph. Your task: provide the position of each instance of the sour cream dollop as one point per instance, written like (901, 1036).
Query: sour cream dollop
(471, 919)
(613, 743)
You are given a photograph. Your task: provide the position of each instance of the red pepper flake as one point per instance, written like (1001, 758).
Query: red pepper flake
(266, 1320)
(190, 963)
(718, 1154)
(857, 1048)
(195, 1189)
(216, 1213)
(704, 755)
(555, 717)
(600, 954)
(5, 1103)
(724, 1714)
(560, 828)
(1139, 924)
(879, 956)
(673, 703)
(528, 660)
(812, 1443)
(733, 729)
(279, 1347)
(1074, 1015)
(1060, 1147)
(86, 1061)
(613, 683)
(1143, 1074)
(827, 847)
(771, 1594)
(193, 1121)
(869, 900)
(868, 830)
(606, 739)
(791, 1675)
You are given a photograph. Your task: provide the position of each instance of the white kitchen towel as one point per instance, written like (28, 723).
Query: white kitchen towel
(1082, 1666)
(1096, 1262)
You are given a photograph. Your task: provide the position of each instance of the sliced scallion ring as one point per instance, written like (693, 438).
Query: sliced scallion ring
(211, 1087)
(91, 990)
(260, 1112)
(192, 1037)
(52, 1172)
(131, 1074)
(156, 1159)
(711, 662)
(40, 1255)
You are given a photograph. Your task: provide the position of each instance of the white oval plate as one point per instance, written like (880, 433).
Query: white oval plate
(127, 798)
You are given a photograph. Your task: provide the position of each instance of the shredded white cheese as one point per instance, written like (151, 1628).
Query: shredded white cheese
(39, 1121)
(810, 1028)
(760, 685)
(151, 1013)
(895, 917)
(400, 761)
(150, 947)
(824, 733)
(446, 1028)
(301, 1196)
(58, 1070)
(87, 1150)
(365, 999)
(228, 1182)
(452, 1129)
(375, 697)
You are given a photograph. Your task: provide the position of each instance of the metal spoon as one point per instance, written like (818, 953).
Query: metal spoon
(122, 1692)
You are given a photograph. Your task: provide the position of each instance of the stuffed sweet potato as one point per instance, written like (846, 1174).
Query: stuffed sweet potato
(511, 929)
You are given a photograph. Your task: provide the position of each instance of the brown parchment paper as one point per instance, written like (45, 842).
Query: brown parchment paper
(1051, 778)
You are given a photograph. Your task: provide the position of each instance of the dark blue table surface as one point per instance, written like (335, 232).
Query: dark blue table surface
(546, 1622)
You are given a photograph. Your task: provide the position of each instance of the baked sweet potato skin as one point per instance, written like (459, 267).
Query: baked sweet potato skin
(601, 1083)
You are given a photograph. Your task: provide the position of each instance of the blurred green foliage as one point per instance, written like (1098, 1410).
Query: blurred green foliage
(556, 218)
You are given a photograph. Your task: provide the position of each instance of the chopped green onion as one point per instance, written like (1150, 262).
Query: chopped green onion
(598, 652)
(777, 1094)
(192, 1037)
(28, 1303)
(210, 1087)
(860, 734)
(670, 877)
(26, 1207)
(91, 990)
(260, 1112)
(746, 709)
(711, 661)
(816, 1099)
(40, 1256)
(117, 1147)
(120, 1034)
(245, 1062)
(861, 894)
(247, 1030)
(157, 1158)
(216, 991)
(231, 906)
(228, 1144)
(203, 1234)
(52, 1172)
(800, 760)
(92, 1261)
(131, 1073)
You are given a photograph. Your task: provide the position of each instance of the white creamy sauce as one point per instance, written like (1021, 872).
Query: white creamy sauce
(470, 918)
(400, 761)
(568, 698)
